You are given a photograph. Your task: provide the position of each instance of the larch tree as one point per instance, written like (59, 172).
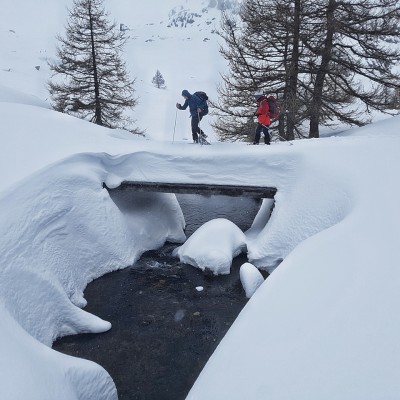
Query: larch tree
(90, 78)
(328, 61)
(273, 33)
(262, 48)
(356, 55)
(233, 109)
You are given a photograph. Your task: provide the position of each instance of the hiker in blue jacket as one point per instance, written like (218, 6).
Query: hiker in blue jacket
(197, 111)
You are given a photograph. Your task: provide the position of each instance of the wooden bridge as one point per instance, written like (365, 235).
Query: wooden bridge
(204, 189)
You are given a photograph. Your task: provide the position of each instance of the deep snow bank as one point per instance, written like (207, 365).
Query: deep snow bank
(31, 370)
(59, 229)
(324, 324)
(64, 231)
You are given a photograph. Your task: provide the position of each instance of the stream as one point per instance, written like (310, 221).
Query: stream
(167, 317)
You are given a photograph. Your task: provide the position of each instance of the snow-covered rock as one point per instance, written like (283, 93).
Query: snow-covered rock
(213, 246)
(251, 278)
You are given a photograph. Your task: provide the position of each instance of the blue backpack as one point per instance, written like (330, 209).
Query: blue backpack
(204, 105)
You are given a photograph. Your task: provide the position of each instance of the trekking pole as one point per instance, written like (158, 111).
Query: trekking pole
(200, 140)
(173, 137)
(288, 141)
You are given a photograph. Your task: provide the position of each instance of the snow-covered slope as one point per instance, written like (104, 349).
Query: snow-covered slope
(328, 308)
(176, 37)
(324, 325)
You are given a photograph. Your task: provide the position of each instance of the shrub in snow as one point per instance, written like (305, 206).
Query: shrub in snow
(251, 279)
(213, 246)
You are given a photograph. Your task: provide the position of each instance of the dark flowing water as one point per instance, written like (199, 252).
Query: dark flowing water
(199, 209)
(164, 328)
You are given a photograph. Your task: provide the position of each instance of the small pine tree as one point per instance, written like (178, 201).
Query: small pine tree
(92, 82)
(158, 80)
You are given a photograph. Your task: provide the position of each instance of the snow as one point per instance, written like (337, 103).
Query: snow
(328, 308)
(213, 246)
(251, 278)
(324, 325)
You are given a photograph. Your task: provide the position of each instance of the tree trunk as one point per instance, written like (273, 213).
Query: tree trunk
(326, 54)
(293, 72)
(97, 115)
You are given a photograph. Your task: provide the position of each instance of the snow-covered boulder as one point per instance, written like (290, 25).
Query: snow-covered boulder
(213, 246)
(251, 278)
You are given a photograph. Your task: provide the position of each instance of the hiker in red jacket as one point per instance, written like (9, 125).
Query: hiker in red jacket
(263, 119)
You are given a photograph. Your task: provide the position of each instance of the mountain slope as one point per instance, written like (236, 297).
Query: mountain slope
(179, 39)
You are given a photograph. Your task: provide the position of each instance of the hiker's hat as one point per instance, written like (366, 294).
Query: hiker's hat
(257, 95)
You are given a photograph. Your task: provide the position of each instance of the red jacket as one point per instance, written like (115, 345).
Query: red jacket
(263, 111)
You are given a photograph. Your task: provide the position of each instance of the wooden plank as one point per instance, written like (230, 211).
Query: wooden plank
(204, 189)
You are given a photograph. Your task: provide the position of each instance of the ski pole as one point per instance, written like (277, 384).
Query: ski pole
(200, 140)
(173, 137)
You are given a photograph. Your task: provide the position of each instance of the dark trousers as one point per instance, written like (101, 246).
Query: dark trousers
(195, 127)
(262, 128)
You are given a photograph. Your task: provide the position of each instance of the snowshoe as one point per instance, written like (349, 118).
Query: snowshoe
(203, 140)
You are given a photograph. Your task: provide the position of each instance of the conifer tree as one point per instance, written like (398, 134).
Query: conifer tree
(354, 53)
(158, 80)
(328, 60)
(90, 79)
(262, 47)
